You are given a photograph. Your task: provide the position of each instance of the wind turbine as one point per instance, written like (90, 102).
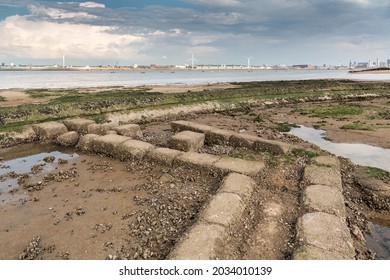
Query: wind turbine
(192, 59)
(249, 61)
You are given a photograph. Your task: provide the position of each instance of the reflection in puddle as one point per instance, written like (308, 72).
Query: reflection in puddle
(10, 170)
(361, 154)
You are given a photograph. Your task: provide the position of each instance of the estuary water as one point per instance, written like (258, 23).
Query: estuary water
(73, 79)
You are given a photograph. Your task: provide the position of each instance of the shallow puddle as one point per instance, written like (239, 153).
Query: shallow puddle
(361, 154)
(27, 159)
(379, 239)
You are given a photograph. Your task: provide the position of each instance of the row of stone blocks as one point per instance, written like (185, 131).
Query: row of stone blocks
(124, 147)
(222, 137)
(204, 240)
(322, 232)
(68, 132)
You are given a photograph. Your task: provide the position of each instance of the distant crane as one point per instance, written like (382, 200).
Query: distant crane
(192, 59)
(249, 61)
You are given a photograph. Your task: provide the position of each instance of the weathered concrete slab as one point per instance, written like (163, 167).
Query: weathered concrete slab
(200, 243)
(318, 198)
(129, 130)
(239, 184)
(49, 130)
(274, 147)
(322, 175)
(187, 141)
(163, 155)
(229, 164)
(133, 149)
(328, 161)
(325, 232)
(178, 126)
(79, 125)
(308, 252)
(102, 129)
(224, 209)
(68, 139)
(197, 160)
(86, 142)
(107, 144)
(243, 140)
(218, 136)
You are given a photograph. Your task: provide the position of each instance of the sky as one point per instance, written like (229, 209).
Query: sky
(168, 32)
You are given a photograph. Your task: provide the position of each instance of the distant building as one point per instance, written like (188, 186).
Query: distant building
(303, 66)
(362, 65)
(388, 62)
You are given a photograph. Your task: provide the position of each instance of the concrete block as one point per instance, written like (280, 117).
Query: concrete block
(308, 252)
(274, 147)
(202, 242)
(49, 130)
(86, 142)
(224, 209)
(239, 184)
(79, 125)
(163, 155)
(229, 164)
(243, 140)
(107, 144)
(218, 136)
(196, 160)
(178, 126)
(328, 161)
(187, 141)
(68, 139)
(321, 175)
(129, 130)
(318, 198)
(326, 232)
(133, 149)
(101, 129)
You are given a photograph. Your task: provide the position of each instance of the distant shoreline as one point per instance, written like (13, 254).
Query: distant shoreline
(382, 70)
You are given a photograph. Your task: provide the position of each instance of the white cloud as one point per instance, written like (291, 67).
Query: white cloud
(92, 5)
(223, 3)
(57, 13)
(47, 40)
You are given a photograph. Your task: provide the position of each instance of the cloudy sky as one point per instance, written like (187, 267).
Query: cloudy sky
(216, 31)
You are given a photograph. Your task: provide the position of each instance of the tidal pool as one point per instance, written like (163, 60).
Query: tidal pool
(361, 154)
(22, 160)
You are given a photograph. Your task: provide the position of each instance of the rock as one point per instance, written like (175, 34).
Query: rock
(178, 126)
(79, 125)
(274, 147)
(322, 175)
(218, 136)
(224, 209)
(196, 160)
(68, 139)
(86, 142)
(49, 130)
(243, 140)
(133, 149)
(328, 161)
(318, 198)
(101, 129)
(187, 141)
(239, 184)
(201, 243)
(326, 233)
(229, 164)
(107, 144)
(163, 155)
(129, 130)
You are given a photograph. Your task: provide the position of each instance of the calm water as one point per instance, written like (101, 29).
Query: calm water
(361, 154)
(69, 79)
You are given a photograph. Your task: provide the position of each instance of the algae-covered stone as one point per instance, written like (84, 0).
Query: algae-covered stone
(49, 130)
(86, 142)
(129, 130)
(79, 125)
